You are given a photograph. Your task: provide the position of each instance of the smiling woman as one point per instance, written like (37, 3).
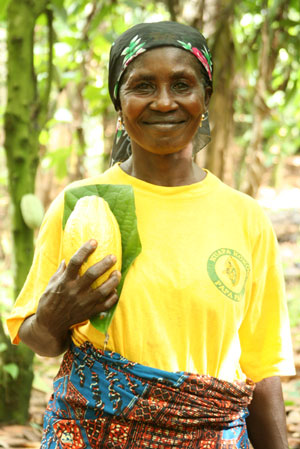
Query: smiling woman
(162, 110)
(200, 331)
(186, 48)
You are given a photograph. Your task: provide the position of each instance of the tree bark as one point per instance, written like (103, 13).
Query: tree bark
(22, 126)
(219, 158)
(269, 50)
(15, 393)
(254, 159)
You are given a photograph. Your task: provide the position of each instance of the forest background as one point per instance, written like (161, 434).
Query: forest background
(57, 123)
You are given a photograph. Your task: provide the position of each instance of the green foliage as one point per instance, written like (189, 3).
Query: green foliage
(282, 94)
(84, 32)
(58, 160)
(12, 369)
(3, 346)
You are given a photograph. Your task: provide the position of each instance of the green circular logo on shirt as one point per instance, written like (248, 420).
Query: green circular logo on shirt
(229, 271)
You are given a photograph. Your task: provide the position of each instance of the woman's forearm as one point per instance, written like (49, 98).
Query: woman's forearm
(266, 423)
(41, 341)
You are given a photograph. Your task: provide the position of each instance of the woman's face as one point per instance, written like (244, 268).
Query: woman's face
(162, 99)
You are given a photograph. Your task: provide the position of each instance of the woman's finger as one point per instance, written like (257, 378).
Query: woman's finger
(79, 258)
(107, 304)
(62, 266)
(95, 271)
(108, 286)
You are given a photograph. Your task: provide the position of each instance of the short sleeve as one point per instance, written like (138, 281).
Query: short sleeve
(45, 262)
(265, 330)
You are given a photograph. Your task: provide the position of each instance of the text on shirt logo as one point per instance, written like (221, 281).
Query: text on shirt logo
(229, 271)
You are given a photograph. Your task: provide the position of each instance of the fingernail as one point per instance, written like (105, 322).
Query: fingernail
(113, 258)
(93, 243)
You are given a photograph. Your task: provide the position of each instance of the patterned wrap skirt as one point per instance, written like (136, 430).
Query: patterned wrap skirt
(102, 400)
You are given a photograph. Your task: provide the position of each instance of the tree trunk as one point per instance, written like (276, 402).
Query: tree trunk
(219, 158)
(22, 129)
(15, 392)
(270, 45)
(254, 159)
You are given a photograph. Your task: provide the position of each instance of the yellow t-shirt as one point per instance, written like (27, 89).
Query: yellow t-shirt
(206, 293)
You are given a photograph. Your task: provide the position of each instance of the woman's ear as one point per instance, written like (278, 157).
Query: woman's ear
(208, 93)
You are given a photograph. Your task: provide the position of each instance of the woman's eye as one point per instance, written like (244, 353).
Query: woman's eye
(143, 86)
(181, 86)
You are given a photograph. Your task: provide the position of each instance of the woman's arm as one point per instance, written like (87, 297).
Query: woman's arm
(68, 300)
(266, 423)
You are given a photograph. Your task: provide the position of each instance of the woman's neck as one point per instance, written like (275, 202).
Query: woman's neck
(175, 169)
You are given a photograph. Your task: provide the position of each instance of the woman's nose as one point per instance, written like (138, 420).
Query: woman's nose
(163, 101)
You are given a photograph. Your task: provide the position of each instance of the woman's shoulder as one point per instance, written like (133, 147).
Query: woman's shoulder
(238, 196)
(242, 204)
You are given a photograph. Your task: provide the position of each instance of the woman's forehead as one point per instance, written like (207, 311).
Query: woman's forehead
(174, 60)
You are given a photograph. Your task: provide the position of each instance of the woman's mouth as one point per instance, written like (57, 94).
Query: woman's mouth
(164, 124)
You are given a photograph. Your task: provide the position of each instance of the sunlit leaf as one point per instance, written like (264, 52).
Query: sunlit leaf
(59, 10)
(58, 160)
(289, 403)
(12, 369)
(3, 347)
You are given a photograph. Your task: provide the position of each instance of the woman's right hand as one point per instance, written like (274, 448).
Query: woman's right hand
(69, 299)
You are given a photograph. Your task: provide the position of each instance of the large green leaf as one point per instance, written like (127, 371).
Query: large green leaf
(121, 202)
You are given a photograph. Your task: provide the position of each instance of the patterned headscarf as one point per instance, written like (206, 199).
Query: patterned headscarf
(136, 41)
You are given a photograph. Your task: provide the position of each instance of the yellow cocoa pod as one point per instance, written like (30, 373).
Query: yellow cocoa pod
(93, 219)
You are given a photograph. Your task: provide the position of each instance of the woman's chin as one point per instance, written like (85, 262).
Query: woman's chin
(164, 147)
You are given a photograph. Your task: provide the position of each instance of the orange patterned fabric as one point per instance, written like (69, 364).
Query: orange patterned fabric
(102, 400)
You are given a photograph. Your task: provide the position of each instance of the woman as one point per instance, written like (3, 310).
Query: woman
(201, 319)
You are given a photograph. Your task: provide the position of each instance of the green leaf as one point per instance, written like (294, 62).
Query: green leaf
(101, 45)
(3, 347)
(292, 92)
(104, 12)
(12, 369)
(58, 3)
(92, 92)
(58, 160)
(59, 10)
(121, 202)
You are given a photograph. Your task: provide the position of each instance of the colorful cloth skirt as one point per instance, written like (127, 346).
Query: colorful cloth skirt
(102, 400)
